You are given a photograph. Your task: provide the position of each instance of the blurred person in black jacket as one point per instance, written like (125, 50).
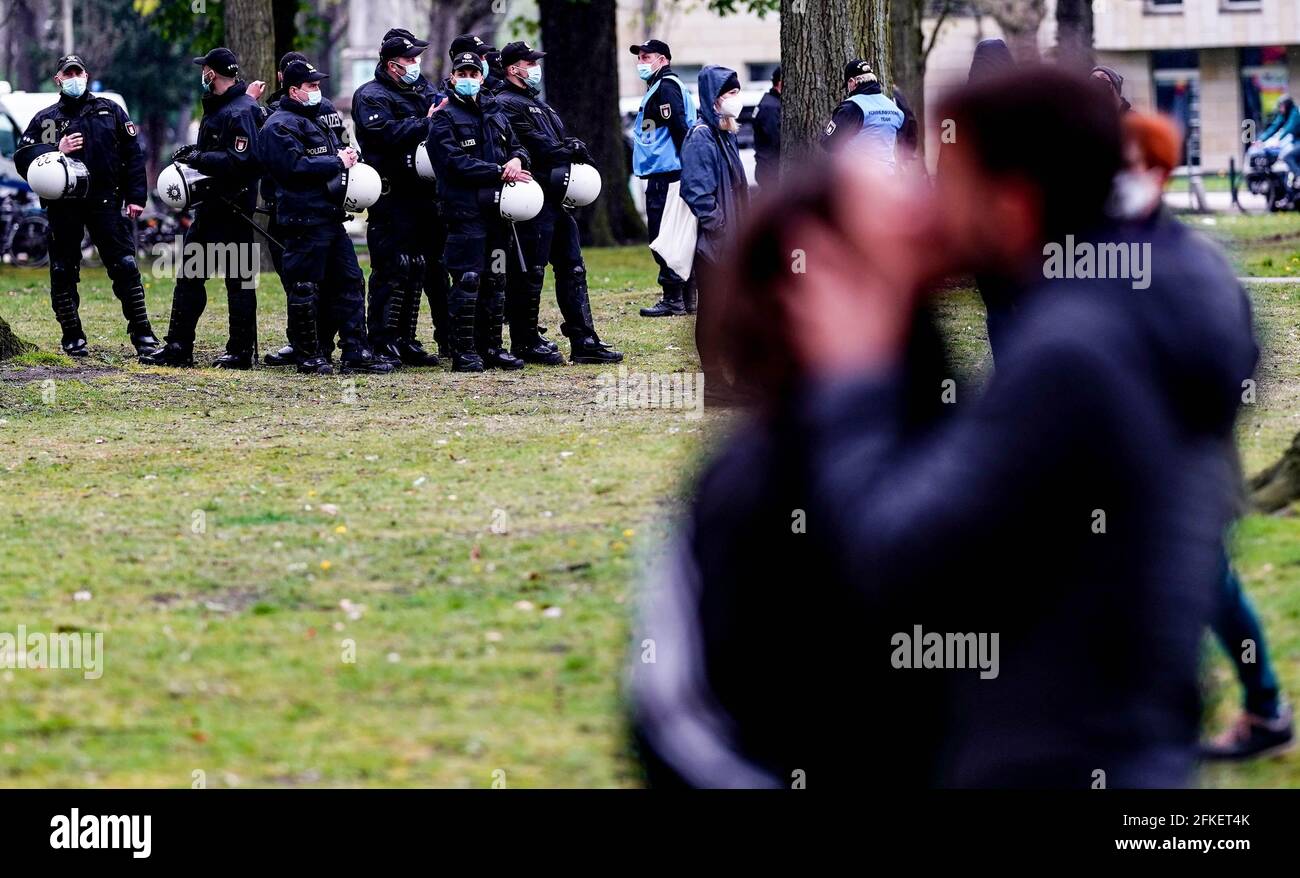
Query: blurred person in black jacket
(767, 135)
(1074, 509)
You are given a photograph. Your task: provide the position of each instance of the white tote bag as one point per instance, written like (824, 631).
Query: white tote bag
(676, 241)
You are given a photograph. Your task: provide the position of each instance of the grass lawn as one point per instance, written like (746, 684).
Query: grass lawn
(474, 539)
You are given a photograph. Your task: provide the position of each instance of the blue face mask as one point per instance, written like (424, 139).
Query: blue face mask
(467, 87)
(207, 83)
(534, 77)
(313, 98)
(485, 68)
(412, 73)
(74, 87)
(645, 71)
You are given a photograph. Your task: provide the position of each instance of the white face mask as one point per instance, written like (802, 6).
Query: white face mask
(731, 106)
(1135, 194)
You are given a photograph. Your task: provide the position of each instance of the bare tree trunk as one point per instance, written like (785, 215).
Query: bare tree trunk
(449, 19)
(909, 60)
(580, 39)
(818, 37)
(1019, 20)
(250, 34)
(1278, 485)
(1074, 34)
(10, 344)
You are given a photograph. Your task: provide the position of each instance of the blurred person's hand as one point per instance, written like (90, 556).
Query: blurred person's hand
(850, 309)
(255, 89)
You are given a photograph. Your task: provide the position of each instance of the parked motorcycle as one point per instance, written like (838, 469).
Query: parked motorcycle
(1266, 173)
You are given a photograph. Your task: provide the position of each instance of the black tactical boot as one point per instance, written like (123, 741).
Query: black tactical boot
(75, 347)
(541, 334)
(489, 322)
(285, 356)
(691, 297)
(590, 349)
(464, 357)
(671, 305)
(412, 353)
(145, 344)
(496, 358)
(539, 353)
(240, 360)
(364, 362)
(173, 354)
(523, 301)
(317, 365)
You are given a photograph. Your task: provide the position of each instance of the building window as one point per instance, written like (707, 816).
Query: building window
(1174, 7)
(760, 73)
(1264, 77)
(1239, 5)
(1177, 77)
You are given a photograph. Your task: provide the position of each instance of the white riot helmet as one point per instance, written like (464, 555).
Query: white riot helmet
(423, 163)
(577, 184)
(521, 201)
(358, 187)
(182, 187)
(54, 175)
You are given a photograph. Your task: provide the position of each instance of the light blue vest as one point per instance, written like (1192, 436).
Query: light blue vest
(653, 151)
(881, 122)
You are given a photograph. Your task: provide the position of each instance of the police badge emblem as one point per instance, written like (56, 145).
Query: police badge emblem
(130, 127)
(241, 144)
(666, 110)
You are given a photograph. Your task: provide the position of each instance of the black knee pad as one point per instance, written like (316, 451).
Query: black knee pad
(469, 281)
(123, 268)
(64, 274)
(535, 277)
(303, 292)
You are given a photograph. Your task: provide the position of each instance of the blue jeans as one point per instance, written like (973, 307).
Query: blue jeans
(1234, 623)
(1292, 159)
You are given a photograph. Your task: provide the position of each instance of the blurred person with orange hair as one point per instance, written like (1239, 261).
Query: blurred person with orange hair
(1151, 149)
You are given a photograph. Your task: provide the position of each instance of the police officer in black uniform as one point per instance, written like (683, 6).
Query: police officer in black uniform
(332, 119)
(405, 233)
(474, 150)
(98, 133)
(551, 236)
(320, 265)
(226, 152)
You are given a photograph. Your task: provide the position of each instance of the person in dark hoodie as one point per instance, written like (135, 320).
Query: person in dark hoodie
(714, 188)
(1265, 724)
(767, 135)
(404, 230)
(1111, 78)
(227, 152)
(331, 118)
(1074, 509)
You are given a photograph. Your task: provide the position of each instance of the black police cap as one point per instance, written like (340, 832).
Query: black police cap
(467, 43)
(855, 68)
(298, 72)
(520, 51)
(401, 43)
(652, 46)
(70, 61)
(466, 59)
(222, 60)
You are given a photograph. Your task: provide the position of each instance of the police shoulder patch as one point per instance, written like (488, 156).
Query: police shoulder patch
(241, 144)
(666, 110)
(130, 127)
(830, 127)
